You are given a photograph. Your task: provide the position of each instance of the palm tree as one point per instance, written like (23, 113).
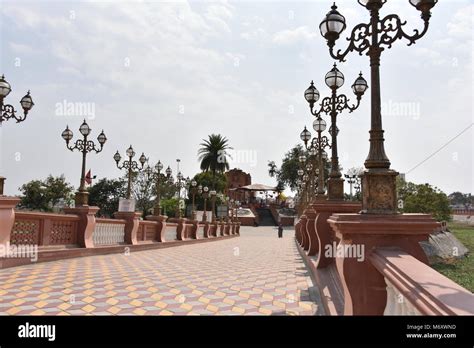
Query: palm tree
(213, 154)
(272, 169)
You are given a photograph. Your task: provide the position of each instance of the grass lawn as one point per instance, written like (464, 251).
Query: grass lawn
(461, 271)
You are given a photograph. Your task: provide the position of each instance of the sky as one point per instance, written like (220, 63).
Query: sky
(162, 76)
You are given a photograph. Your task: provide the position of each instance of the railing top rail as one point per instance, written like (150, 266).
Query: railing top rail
(39, 215)
(148, 222)
(110, 221)
(430, 292)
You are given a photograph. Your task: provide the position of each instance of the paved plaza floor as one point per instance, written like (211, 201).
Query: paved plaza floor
(254, 274)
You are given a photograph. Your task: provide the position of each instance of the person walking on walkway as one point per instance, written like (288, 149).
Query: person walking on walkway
(280, 231)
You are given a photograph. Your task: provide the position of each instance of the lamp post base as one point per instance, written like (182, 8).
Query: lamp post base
(379, 192)
(81, 198)
(335, 189)
(157, 211)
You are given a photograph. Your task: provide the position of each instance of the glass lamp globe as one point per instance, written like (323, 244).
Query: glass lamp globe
(26, 102)
(319, 125)
(334, 78)
(332, 25)
(360, 85)
(159, 166)
(101, 138)
(117, 157)
(311, 94)
(67, 134)
(84, 129)
(5, 87)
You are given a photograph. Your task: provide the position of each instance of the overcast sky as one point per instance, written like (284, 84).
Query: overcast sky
(163, 75)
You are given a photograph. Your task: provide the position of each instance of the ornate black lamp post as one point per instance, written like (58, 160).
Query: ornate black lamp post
(130, 165)
(85, 146)
(179, 186)
(213, 194)
(378, 186)
(351, 179)
(333, 106)
(7, 111)
(320, 143)
(194, 190)
(205, 195)
(156, 175)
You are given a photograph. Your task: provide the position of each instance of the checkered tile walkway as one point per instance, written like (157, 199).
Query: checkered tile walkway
(254, 274)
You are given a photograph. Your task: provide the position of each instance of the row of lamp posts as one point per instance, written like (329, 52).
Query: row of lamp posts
(375, 222)
(7, 111)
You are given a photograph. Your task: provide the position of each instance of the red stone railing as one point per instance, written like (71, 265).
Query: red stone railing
(67, 234)
(415, 288)
(462, 211)
(389, 275)
(44, 229)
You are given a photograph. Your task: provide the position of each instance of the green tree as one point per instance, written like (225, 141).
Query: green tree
(423, 198)
(43, 195)
(459, 198)
(106, 193)
(144, 192)
(287, 174)
(214, 156)
(207, 179)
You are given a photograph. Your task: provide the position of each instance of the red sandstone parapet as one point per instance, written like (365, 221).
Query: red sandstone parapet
(430, 292)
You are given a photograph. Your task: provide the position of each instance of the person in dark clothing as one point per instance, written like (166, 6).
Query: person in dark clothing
(280, 231)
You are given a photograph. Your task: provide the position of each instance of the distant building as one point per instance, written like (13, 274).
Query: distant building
(237, 178)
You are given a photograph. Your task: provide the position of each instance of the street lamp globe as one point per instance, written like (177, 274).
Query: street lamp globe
(142, 159)
(334, 78)
(371, 4)
(302, 158)
(300, 172)
(101, 138)
(360, 86)
(212, 193)
(311, 94)
(305, 135)
(180, 176)
(5, 87)
(26, 102)
(332, 25)
(319, 125)
(206, 189)
(84, 129)
(309, 167)
(168, 171)
(159, 166)
(423, 5)
(313, 151)
(193, 183)
(130, 152)
(117, 157)
(67, 134)
(330, 130)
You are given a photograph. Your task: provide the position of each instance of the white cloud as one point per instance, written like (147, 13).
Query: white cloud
(294, 36)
